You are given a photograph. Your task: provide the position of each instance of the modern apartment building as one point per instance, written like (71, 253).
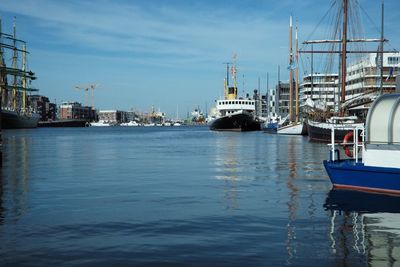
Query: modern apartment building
(364, 76)
(322, 89)
(283, 98)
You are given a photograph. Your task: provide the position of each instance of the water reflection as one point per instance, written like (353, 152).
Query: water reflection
(364, 223)
(227, 166)
(292, 203)
(14, 180)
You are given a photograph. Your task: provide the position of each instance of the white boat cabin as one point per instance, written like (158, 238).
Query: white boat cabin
(231, 106)
(382, 133)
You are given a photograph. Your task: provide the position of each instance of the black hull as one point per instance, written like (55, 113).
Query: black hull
(64, 123)
(323, 135)
(13, 120)
(238, 122)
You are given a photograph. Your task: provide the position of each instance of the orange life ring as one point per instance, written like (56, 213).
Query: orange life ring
(346, 147)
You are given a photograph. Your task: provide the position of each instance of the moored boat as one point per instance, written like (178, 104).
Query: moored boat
(321, 131)
(16, 113)
(100, 124)
(379, 168)
(11, 119)
(65, 123)
(130, 124)
(233, 113)
(292, 126)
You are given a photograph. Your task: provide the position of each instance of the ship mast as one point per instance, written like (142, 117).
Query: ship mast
(226, 81)
(344, 55)
(297, 76)
(234, 77)
(24, 78)
(2, 72)
(290, 72)
(381, 48)
(14, 64)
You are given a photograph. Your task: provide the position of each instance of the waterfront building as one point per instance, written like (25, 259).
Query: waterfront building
(321, 88)
(75, 110)
(364, 76)
(283, 98)
(112, 116)
(272, 99)
(282, 90)
(42, 105)
(132, 116)
(264, 105)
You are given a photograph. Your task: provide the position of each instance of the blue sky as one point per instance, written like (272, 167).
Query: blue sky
(165, 53)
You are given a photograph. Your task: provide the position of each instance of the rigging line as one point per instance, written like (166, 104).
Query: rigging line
(323, 17)
(370, 19)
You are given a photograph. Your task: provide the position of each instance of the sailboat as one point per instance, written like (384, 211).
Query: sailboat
(319, 126)
(293, 126)
(15, 110)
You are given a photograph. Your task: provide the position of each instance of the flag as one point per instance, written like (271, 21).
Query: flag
(390, 74)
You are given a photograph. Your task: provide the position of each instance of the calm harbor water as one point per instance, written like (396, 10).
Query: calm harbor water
(182, 196)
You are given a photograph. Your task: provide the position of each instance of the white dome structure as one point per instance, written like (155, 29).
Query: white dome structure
(382, 132)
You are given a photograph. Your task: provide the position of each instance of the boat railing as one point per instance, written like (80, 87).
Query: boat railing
(358, 131)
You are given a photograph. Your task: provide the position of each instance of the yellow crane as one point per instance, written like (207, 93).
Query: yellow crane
(86, 88)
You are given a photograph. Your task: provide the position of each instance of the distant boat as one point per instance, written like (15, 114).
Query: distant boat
(130, 124)
(232, 113)
(100, 124)
(379, 168)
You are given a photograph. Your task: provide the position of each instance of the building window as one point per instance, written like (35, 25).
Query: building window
(393, 60)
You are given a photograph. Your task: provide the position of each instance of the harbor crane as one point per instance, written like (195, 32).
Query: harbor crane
(88, 88)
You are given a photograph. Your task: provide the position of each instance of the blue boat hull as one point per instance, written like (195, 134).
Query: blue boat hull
(350, 175)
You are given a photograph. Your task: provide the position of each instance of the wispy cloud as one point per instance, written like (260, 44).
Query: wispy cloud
(117, 27)
(184, 42)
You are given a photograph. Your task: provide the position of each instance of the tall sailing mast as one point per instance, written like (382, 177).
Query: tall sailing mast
(297, 76)
(381, 48)
(344, 53)
(14, 65)
(290, 71)
(24, 80)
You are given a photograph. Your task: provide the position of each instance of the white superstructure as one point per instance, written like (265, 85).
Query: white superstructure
(233, 106)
